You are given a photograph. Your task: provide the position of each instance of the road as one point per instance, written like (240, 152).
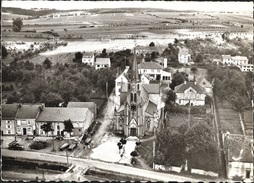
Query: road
(111, 167)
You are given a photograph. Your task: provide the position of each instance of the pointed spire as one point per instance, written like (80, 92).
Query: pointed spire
(134, 74)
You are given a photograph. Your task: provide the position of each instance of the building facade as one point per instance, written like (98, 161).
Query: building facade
(88, 58)
(184, 56)
(8, 122)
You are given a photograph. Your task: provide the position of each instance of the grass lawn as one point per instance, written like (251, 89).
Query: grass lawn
(229, 118)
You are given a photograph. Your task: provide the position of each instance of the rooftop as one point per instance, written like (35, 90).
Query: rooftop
(28, 111)
(149, 65)
(226, 56)
(88, 54)
(9, 111)
(103, 61)
(152, 88)
(184, 86)
(239, 58)
(60, 114)
(151, 108)
(238, 148)
(90, 105)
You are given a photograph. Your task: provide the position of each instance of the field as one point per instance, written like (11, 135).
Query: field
(228, 118)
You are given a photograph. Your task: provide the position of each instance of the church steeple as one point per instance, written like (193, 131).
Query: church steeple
(134, 70)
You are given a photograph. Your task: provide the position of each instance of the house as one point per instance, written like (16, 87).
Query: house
(122, 78)
(239, 61)
(203, 82)
(89, 105)
(26, 116)
(246, 67)
(8, 122)
(226, 59)
(81, 119)
(190, 93)
(238, 151)
(102, 63)
(183, 56)
(154, 71)
(140, 108)
(88, 58)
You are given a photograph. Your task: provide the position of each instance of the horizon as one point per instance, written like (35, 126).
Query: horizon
(166, 5)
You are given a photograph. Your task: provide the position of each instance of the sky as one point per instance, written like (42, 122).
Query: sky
(175, 5)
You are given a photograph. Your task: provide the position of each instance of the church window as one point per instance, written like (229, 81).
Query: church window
(138, 86)
(148, 122)
(135, 97)
(131, 97)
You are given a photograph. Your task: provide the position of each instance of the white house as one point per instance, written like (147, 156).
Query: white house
(26, 116)
(81, 119)
(184, 56)
(8, 121)
(154, 71)
(88, 58)
(190, 93)
(238, 151)
(227, 59)
(102, 63)
(246, 67)
(239, 60)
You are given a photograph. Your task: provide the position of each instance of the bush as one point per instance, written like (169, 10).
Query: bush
(39, 145)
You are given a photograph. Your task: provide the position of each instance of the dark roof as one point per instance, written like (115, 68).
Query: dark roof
(152, 88)
(60, 114)
(182, 87)
(234, 144)
(151, 108)
(9, 111)
(149, 65)
(28, 111)
(90, 105)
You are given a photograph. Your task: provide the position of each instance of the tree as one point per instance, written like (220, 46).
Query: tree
(66, 90)
(178, 78)
(194, 69)
(104, 53)
(199, 58)
(176, 41)
(17, 24)
(47, 127)
(47, 63)
(171, 97)
(51, 99)
(68, 126)
(78, 57)
(4, 52)
(151, 44)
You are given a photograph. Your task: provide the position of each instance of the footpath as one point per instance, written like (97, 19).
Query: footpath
(112, 168)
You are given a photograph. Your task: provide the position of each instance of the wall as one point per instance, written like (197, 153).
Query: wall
(5, 129)
(27, 125)
(239, 169)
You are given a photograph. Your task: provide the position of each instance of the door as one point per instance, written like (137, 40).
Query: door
(24, 131)
(133, 132)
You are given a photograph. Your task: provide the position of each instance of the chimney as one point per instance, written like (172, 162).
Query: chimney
(185, 82)
(165, 63)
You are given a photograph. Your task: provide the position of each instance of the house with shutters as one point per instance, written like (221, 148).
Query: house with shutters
(140, 107)
(190, 93)
(81, 119)
(26, 116)
(184, 56)
(88, 58)
(101, 63)
(8, 122)
(238, 150)
(91, 106)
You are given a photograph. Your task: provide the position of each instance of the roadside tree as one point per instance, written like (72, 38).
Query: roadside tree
(17, 25)
(68, 126)
(47, 127)
(47, 63)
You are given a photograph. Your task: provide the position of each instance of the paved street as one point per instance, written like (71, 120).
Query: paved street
(146, 174)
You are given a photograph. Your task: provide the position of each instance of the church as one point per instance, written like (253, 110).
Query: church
(140, 109)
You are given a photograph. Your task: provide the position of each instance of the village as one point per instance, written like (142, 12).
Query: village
(176, 111)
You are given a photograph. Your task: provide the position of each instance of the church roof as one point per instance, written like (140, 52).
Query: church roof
(151, 108)
(184, 86)
(152, 88)
(149, 65)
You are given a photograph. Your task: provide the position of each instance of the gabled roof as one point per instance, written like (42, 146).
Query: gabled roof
(28, 111)
(234, 144)
(182, 87)
(102, 61)
(149, 65)
(60, 114)
(9, 111)
(183, 51)
(88, 54)
(226, 56)
(90, 105)
(151, 108)
(204, 82)
(239, 58)
(152, 88)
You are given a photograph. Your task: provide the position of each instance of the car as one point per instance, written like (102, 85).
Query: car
(59, 138)
(16, 146)
(88, 141)
(72, 146)
(64, 146)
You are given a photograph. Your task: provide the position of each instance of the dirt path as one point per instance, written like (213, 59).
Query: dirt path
(106, 120)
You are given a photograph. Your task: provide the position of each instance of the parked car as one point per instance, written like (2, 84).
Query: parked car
(59, 138)
(64, 146)
(88, 141)
(16, 146)
(72, 146)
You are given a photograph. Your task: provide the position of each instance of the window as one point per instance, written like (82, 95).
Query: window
(8, 122)
(8, 131)
(28, 122)
(23, 122)
(28, 129)
(118, 83)
(58, 127)
(18, 129)
(152, 70)
(8, 126)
